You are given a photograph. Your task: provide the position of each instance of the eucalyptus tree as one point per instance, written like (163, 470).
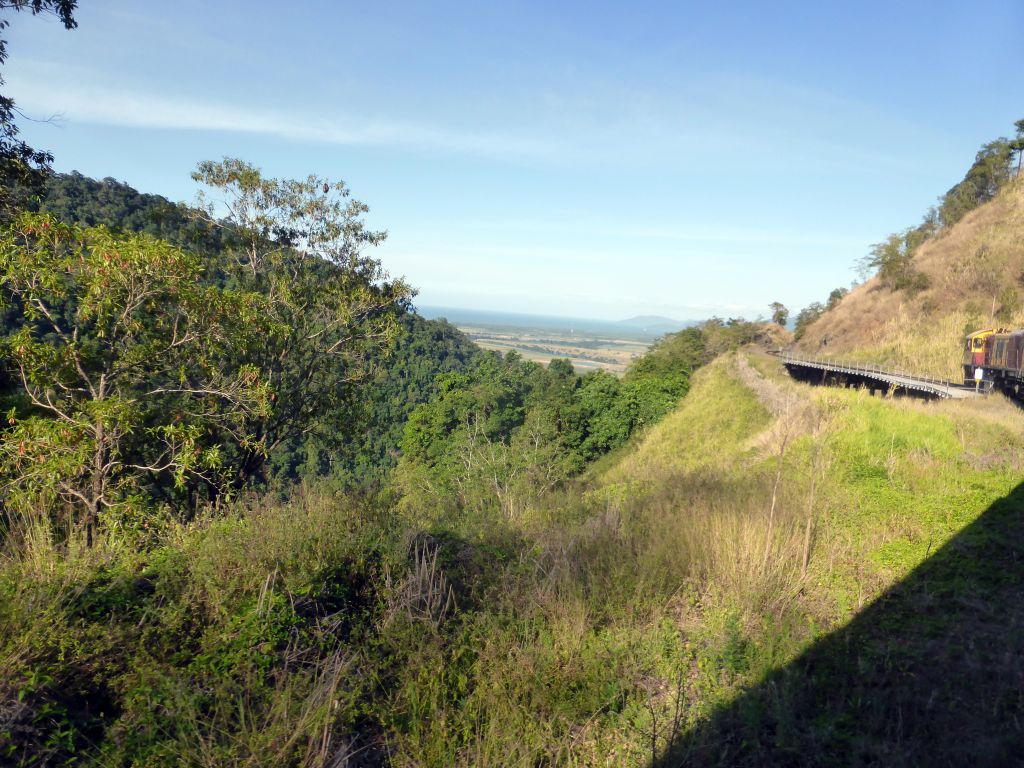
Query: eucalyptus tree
(779, 313)
(1018, 144)
(302, 243)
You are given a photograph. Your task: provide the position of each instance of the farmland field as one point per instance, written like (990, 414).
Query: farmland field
(588, 344)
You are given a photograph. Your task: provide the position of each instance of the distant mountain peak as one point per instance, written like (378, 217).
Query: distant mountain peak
(654, 323)
(647, 319)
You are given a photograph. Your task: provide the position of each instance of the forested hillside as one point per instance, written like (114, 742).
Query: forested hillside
(402, 374)
(579, 417)
(78, 199)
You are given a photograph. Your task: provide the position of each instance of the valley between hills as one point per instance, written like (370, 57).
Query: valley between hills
(259, 509)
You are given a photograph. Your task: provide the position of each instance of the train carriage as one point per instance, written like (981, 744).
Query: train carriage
(999, 354)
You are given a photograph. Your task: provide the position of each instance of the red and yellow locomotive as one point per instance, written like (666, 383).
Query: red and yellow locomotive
(999, 355)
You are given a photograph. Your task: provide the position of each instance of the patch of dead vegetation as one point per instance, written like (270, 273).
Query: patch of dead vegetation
(793, 413)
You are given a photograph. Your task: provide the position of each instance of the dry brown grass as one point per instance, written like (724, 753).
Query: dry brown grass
(975, 273)
(727, 490)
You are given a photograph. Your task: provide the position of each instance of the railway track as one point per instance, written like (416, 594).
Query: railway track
(821, 370)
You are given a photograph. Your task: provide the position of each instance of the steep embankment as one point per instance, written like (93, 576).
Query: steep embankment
(848, 558)
(974, 271)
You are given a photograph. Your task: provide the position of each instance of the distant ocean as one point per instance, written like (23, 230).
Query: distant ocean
(573, 325)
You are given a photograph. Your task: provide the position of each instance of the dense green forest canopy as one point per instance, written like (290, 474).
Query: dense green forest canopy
(77, 199)
(103, 317)
(353, 428)
(513, 430)
(397, 377)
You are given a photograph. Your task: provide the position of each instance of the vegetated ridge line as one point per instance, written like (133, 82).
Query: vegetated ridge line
(842, 373)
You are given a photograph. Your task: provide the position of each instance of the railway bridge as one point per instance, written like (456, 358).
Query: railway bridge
(839, 373)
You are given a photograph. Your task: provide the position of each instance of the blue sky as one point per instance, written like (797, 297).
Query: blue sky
(582, 159)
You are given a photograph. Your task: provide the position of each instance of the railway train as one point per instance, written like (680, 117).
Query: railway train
(999, 353)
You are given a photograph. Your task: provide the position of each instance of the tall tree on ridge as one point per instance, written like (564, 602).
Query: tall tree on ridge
(1018, 143)
(779, 313)
(300, 243)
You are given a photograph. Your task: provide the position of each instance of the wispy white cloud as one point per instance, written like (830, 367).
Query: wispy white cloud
(690, 128)
(44, 92)
(592, 224)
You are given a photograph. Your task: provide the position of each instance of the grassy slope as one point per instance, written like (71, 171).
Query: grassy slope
(975, 271)
(617, 626)
(894, 483)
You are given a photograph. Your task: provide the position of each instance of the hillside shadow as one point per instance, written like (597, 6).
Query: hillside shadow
(930, 674)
